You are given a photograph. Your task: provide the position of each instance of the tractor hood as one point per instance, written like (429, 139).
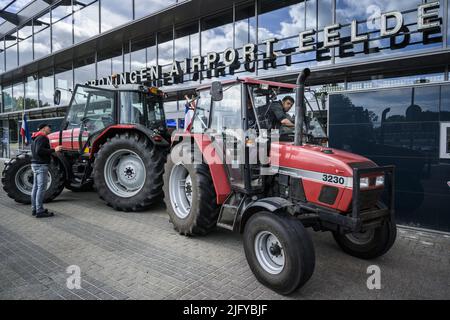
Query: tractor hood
(317, 159)
(54, 139)
(70, 139)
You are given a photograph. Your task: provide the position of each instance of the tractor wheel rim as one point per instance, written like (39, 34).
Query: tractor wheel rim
(125, 173)
(24, 180)
(181, 192)
(361, 238)
(269, 252)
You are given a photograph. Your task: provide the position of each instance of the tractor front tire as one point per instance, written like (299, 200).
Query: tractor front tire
(370, 244)
(190, 197)
(279, 251)
(128, 172)
(17, 179)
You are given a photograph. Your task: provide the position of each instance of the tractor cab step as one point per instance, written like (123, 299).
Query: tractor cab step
(230, 209)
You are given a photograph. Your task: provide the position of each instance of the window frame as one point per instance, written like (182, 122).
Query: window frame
(443, 140)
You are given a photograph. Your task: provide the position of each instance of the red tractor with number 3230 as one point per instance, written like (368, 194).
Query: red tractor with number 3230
(215, 176)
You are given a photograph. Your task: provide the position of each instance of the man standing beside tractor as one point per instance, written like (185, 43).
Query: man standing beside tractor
(40, 161)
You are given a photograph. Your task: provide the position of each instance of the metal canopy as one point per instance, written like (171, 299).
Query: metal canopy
(10, 17)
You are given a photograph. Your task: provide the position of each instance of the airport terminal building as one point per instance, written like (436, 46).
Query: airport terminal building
(379, 67)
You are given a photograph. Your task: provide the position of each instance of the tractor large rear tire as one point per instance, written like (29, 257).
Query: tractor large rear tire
(370, 244)
(128, 172)
(279, 251)
(190, 197)
(17, 179)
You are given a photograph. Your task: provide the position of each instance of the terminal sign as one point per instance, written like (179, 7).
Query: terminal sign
(215, 64)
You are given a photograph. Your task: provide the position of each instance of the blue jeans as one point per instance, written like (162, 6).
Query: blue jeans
(40, 177)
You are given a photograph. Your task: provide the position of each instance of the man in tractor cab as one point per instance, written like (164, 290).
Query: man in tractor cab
(41, 158)
(278, 112)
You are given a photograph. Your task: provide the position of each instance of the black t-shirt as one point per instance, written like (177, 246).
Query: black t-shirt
(40, 150)
(277, 114)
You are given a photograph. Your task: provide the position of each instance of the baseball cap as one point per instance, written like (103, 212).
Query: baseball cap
(43, 125)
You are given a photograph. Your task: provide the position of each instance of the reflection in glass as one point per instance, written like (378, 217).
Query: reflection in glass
(18, 96)
(142, 7)
(380, 82)
(42, 44)
(61, 10)
(26, 50)
(245, 25)
(7, 99)
(393, 105)
(62, 34)
(217, 33)
(84, 70)
(284, 19)
(325, 13)
(445, 103)
(31, 92)
(46, 88)
(64, 82)
(2, 60)
(13, 137)
(165, 48)
(109, 62)
(11, 57)
(187, 44)
(2, 56)
(281, 19)
(117, 65)
(85, 21)
(368, 18)
(115, 13)
(143, 53)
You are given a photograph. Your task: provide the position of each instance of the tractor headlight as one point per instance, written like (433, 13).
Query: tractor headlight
(379, 181)
(364, 182)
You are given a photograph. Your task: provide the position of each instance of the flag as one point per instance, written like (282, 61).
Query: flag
(24, 131)
(189, 114)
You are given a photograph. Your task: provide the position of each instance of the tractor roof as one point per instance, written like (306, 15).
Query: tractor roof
(125, 87)
(252, 81)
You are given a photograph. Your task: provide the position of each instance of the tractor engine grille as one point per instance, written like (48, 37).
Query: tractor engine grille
(369, 198)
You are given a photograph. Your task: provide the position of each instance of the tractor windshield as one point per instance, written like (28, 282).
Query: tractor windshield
(91, 109)
(141, 108)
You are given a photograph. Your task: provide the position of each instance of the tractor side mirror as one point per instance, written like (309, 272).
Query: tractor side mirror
(216, 91)
(57, 97)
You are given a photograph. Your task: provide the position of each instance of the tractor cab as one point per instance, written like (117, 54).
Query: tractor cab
(114, 140)
(94, 109)
(260, 98)
(239, 116)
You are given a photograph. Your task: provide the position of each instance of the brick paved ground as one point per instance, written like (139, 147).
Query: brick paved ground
(140, 256)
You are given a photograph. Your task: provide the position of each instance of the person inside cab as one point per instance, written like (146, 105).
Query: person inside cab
(278, 111)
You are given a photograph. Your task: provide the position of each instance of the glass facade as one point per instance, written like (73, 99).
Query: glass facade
(391, 126)
(68, 23)
(400, 127)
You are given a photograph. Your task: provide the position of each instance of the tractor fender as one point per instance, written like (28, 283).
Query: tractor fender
(211, 158)
(274, 205)
(155, 138)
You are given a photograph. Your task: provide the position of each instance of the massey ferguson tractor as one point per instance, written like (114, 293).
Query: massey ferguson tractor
(216, 176)
(113, 138)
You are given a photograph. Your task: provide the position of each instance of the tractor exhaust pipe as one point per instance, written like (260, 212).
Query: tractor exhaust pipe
(300, 108)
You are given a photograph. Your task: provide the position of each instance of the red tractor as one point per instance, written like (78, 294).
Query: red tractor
(114, 139)
(214, 177)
